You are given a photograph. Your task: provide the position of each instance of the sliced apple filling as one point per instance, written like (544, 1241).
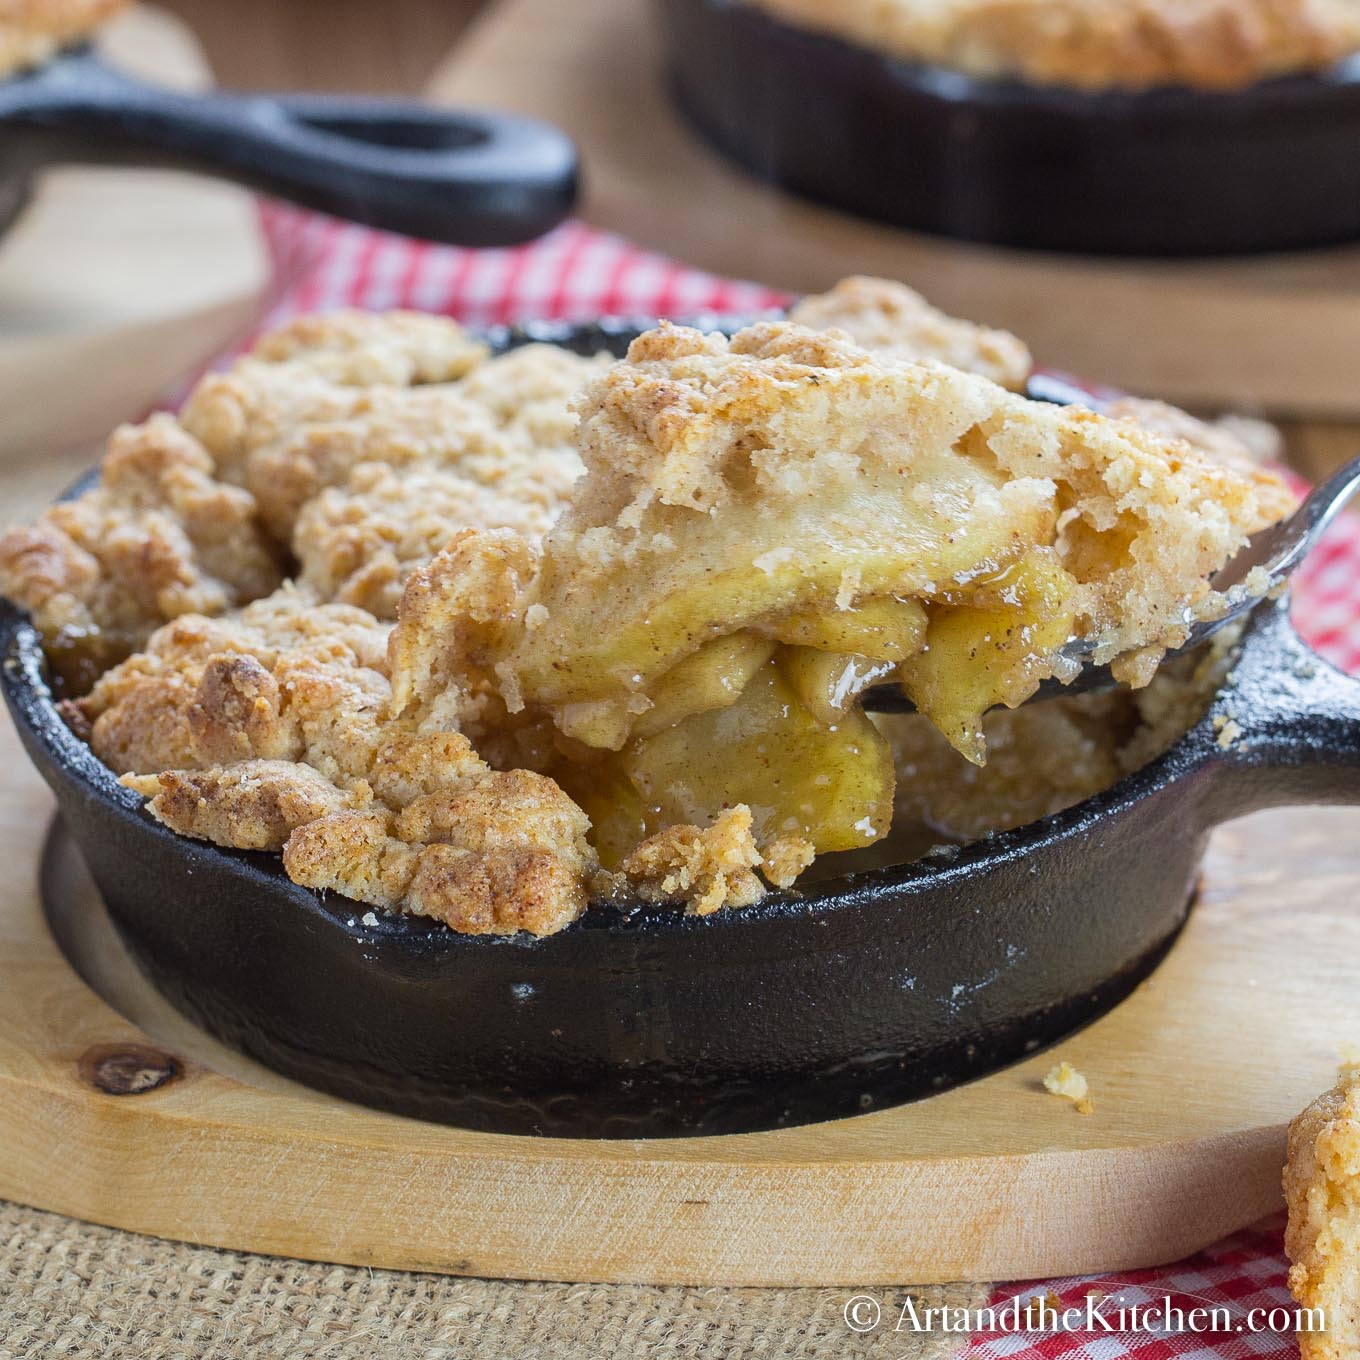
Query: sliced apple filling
(991, 646)
(777, 727)
(825, 779)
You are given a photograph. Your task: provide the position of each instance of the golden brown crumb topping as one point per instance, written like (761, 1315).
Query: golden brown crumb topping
(1097, 44)
(282, 679)
(1322, 1190)
(370, 441)
(892, 319)
(312, 405)
(269, 729)
(252, 805)
(709, 868)
(156, 538)
(31, 31)
(492, 855)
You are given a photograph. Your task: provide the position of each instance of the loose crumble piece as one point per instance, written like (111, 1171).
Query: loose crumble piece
(1064, 1080)
(1228, 730)
(1322, 1190)
(708, 869)
(31, 31)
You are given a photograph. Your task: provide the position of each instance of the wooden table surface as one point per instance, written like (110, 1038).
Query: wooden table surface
(395, 47)
(372, 46)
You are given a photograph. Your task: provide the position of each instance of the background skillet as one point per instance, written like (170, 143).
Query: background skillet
(466, 178)
(1166, 172)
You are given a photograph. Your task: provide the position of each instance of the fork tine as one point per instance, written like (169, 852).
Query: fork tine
(1278, 549)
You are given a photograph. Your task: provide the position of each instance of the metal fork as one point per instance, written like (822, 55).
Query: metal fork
(1278, 549)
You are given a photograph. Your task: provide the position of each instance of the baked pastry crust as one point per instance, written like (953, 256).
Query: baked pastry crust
(1322, 1190)
(896, 321)
(1097, 44)
(31, 31)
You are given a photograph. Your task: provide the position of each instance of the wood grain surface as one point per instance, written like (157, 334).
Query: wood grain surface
(360, 45)
(115, 284)
(1193, 1079)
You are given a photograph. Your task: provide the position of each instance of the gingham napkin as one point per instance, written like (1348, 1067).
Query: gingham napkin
(577, 273)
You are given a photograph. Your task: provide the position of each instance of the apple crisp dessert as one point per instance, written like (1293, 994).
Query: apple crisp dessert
(1097, 44)
(1322, 1240)
(31, 31)
(487, 638)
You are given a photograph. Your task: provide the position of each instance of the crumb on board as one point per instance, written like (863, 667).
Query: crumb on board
(1229, 730)
(1064, 1080)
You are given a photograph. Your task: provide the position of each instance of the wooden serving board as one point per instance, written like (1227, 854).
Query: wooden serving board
(1278, 333)
(144, 1123)
(115, 284)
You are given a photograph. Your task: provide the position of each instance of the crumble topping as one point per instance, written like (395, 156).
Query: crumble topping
(32, 31)
(496, 853)
(157, 537)
(894, 320)
(708, 869)
(1097, 44)
(368, 441)
(359, 543)
(1322, 1239)
(253, 805)
(1227, 441)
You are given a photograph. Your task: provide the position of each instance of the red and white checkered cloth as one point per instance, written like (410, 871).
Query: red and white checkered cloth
(1243, 1277)
(577, 273)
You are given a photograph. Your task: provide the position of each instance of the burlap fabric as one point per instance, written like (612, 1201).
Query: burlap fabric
(75, 1291)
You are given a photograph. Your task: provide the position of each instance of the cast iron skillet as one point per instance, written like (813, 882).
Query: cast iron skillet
(854, 993)
(473, 179)
(1164, 172)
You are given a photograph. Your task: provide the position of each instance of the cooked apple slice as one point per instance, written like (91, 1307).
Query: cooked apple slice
(829, 785)
(991, 649)
(885, 629)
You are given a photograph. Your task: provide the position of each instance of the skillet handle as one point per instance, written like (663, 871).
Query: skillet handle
(471, 179)
(1286, 729)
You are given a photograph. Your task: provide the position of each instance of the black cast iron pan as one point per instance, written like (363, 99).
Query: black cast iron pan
(473, 179)
(851, 994)
(1165, 172)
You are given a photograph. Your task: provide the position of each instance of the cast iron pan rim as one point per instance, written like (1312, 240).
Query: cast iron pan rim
(22, 670)
(961, 87)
